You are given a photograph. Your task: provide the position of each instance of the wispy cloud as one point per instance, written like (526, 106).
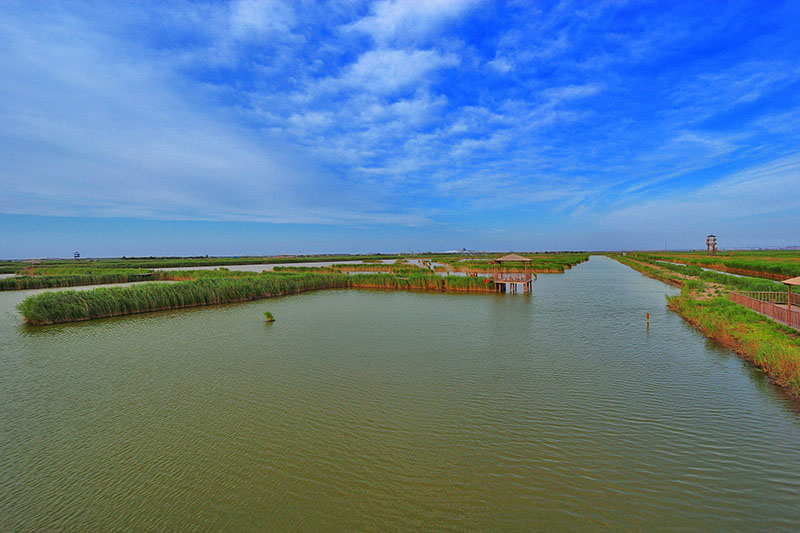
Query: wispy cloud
(736, 206)
(386, 71)
(390, 21)
(394, 112)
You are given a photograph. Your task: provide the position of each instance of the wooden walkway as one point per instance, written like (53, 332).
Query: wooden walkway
(769, 304)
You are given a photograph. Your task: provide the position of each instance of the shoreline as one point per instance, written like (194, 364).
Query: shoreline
(763, 343)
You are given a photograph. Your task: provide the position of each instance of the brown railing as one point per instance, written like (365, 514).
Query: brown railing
(512, 277)
(769, 304)
(771, 296)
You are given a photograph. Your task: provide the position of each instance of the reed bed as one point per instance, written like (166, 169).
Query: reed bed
(71, 306)
(776, 264)
(422, 282)
(733, 282)
(393, 268)
(402, 268)
(102, 277)
(303, 269)
(168, 262)
(53, 281)
(216, 287)
(541, 263)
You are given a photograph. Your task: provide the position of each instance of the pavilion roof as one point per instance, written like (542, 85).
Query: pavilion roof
(512, 257)
(792, 281)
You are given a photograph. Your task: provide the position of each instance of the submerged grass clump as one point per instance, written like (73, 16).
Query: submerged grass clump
(268, 316)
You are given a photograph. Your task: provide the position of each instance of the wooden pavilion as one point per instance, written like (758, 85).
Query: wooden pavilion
(791, 282)
(511, 281)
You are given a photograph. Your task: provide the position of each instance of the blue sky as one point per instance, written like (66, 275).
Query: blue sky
(260, 127)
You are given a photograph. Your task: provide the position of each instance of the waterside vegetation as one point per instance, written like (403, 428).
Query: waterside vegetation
(9, 267)
(47, 281)
(71, 273)
(103, 302)
(770, 264)
(703, 302)
(204, 287)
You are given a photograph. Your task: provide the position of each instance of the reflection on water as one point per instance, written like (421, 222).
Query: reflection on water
(395, 410)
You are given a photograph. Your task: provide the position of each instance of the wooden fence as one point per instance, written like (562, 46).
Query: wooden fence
(769, 304)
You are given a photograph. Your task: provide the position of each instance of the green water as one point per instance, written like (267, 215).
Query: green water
(368, 410)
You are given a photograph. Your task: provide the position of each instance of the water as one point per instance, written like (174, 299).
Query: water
(395, 410)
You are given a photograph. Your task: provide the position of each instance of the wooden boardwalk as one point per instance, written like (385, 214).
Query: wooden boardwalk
(771, 304)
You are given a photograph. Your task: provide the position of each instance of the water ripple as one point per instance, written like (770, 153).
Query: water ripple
(377, 410)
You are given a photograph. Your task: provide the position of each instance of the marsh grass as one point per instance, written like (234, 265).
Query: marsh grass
(70, 306)
(771, 347)
(210, 287)
(73, 280)
(773, 262)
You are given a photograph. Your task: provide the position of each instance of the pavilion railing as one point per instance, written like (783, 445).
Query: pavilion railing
(770, 304)
(512, 277)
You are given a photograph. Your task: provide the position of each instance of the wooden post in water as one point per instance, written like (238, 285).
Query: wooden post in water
(648, 320)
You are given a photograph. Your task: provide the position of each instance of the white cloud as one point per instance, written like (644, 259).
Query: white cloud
(386, 71)
(261, 18)
(409, 21)
(88, 130)
(501, 64)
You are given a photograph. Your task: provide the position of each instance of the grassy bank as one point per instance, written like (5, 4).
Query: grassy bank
(771, 347)
(774, 264)
(734, 282)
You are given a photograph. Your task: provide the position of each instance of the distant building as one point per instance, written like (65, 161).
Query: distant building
(711, 245)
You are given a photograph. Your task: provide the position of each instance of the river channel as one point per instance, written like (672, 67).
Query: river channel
(376, 410)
